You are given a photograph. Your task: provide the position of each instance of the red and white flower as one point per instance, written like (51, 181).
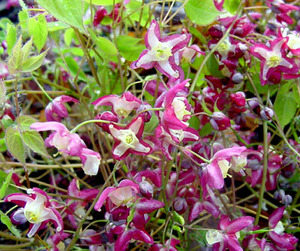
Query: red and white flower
(160, 51)
(37, 210)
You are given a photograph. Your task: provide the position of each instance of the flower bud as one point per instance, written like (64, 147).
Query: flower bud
(56, 110)
(146, 189)
(108, 116)
(219, 121)
(266, 113)
(287, 200)
(238, 99)
(180, 205)
(147, 114)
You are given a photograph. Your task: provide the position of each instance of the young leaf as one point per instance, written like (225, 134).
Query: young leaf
(67, 11)
(132, 52)
(201, 12)
(11, 37)
(24, 122)
(16, 58)
(14, 144)
(5, 185)
(231, 5)
(26, 49)
(23, 20)
(35, 142)
(38, 30)
(6, 221)
(33, 63)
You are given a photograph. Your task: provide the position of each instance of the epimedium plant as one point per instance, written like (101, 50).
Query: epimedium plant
(150, 125)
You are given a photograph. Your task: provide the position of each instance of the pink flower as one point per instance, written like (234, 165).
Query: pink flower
(160, 51)
(219, 4)
(56, 110)
(228, 235)
(121, 106)
(126, 192)
(283, 240)
(77, 207)
(129, 139)
(273, 59)
(37, 210)
(281, 10)
(170, 245)
(216, 171)
(69, 143)
(134, 233)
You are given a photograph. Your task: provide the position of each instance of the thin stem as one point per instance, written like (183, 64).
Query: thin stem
(92, 121)
(42, 89)
(265, 169)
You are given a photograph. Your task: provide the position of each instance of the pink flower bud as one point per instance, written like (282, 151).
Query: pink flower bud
(219, 121)
(180, 205)
(108, 116)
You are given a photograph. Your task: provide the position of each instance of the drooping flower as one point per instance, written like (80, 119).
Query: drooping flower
(37, 210)
(281, 10)
(283, 240)
(274, 59)
(129, 139)
(228, 233)
(216, 171)
(160, 51)
(77, 207)
(121, 106)
(56, 110)
(69, 143)
(121, 195)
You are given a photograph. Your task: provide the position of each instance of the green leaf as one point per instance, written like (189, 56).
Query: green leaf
(152, 124)
(105, 46)
(103, 2)
(10, 189)
(3, 23)
(11, 37)
(35, 142)
(197, 34)
(231, 5)
(131, 52)
(74, 68)
(194, 122)
(285, 107)
(23, 20)
(38, 30)
(201, 12)
(24, 122)
(67, 11)
(6, 221)
(26, 49)
(2, 145)
(14, 144)
(137, 12)
(16, 58)
(206, 130)
(5, 185)
(68, 36)
(34, 62)
(213, 67)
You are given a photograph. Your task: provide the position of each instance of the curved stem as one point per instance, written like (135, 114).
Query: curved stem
(92, 121)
